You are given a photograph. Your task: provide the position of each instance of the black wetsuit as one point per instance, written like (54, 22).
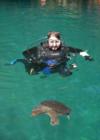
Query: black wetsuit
(37, 58)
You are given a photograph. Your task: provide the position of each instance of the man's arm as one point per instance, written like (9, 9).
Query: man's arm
(81, 52)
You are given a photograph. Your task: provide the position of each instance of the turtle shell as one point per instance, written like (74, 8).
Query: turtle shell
(58, 107)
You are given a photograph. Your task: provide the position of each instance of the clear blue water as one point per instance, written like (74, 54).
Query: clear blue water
(25, 22)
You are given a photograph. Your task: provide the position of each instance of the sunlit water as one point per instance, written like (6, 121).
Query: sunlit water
(26, 22)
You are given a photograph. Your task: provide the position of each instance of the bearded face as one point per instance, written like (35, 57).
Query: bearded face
(54, 41)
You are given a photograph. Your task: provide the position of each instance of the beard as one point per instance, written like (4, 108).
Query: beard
(54, 48)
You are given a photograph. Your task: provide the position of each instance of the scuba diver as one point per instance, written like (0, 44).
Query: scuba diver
(51, 56)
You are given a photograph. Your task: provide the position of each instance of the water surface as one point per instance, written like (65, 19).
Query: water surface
(26, 22)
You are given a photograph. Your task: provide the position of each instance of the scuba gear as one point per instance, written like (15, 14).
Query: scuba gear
(13, 62)
(88, 58)
(45, 59)
(51, 56)
(31, 54)
(51, 63)
(46, 70)
(86, 55)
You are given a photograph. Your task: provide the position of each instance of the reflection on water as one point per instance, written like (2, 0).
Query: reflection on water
(71, 4)
(64, 3)
(43, 2)
(74, 7)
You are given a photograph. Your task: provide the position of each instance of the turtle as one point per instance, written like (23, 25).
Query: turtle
(53, 109)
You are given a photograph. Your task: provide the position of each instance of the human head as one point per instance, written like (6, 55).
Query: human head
(54, 41)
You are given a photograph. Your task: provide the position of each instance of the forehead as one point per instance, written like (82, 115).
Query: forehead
(53, 38)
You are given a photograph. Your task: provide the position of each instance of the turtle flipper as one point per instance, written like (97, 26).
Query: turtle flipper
(37, 111)
(53, 117)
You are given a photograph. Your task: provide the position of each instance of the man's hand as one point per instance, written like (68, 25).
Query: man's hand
(86, 55)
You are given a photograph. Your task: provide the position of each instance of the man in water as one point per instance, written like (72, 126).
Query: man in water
(51, 56)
